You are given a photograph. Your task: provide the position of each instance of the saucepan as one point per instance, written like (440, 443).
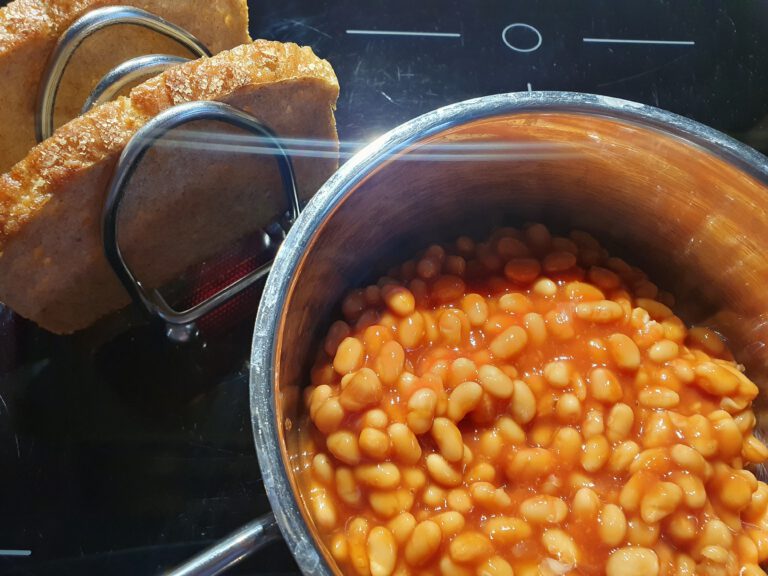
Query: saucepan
(683, 201)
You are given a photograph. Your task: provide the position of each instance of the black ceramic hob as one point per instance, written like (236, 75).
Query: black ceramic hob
(123, 454)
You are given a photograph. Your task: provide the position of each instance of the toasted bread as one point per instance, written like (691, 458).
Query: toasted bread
(181, 207)
(29, 30)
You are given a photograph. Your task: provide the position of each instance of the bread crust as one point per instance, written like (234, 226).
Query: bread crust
(52, 268)
(29, 30)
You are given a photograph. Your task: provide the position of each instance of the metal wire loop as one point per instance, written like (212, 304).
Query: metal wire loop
(144, 139)
(81, 29)
(126, 73)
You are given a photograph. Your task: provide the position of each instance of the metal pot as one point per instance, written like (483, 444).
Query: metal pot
(680, 200)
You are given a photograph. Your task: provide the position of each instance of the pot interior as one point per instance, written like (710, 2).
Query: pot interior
(690, 218)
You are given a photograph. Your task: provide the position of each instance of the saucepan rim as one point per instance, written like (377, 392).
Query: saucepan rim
(264, 422)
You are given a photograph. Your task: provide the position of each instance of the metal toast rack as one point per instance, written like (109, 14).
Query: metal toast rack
(180, 325)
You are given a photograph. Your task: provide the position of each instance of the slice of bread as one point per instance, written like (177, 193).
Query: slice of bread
(181, 206)
(29, 30)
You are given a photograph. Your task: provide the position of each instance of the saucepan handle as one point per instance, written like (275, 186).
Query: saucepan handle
(233, 548)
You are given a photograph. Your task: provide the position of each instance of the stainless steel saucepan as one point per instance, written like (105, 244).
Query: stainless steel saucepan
(684, 202)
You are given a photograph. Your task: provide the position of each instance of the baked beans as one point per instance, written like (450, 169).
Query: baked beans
(529, 405)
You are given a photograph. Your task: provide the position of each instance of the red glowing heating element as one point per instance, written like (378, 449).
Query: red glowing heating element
(207, 279)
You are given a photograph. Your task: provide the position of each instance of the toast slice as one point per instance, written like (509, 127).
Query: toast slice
(181, 207)
(29, 30)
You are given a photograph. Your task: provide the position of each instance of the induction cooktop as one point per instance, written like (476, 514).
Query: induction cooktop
(125, 453)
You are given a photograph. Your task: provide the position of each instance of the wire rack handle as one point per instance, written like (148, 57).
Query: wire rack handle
(144, 139)
(127, 73)
(81, 29)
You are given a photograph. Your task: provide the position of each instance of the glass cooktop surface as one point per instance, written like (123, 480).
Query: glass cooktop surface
(124, 454)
